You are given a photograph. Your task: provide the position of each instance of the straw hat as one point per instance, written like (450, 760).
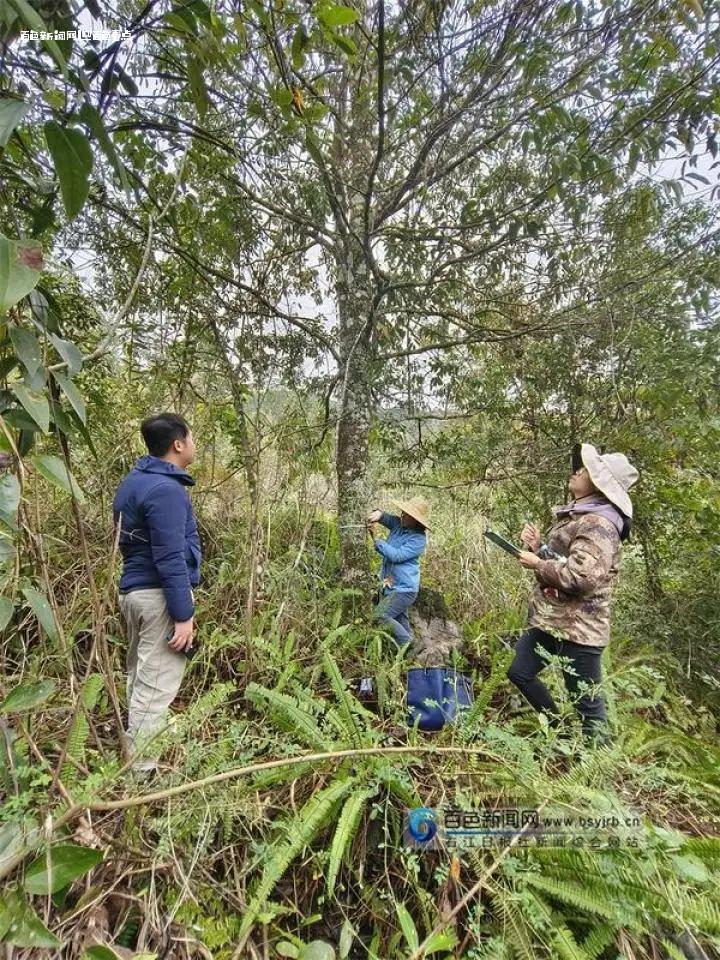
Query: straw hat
(612, 474)
(416, 507)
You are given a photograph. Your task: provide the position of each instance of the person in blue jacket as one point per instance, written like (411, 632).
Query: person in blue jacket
(160, 547)
(400, 573)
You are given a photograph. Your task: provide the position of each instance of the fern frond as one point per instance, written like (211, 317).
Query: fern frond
(706, 849)
(703, 913)
(673, 952)
(345, 834)
(300, 831)
(516, 929)
(349, 709)
(271, 778)
(289, 716)
(401, 787)
(600, 937)
(489, 685)
(630, 886)
(80, 728)
(564, 944)
(587, 898)
(200, 710)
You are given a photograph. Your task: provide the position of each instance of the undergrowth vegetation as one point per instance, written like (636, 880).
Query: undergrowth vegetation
(278, 826)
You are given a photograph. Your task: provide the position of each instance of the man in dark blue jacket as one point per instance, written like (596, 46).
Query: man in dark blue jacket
(161, 554)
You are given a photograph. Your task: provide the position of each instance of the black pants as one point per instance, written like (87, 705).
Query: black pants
(586, 666)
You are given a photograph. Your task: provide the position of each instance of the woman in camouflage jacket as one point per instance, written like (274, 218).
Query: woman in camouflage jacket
(575, 571)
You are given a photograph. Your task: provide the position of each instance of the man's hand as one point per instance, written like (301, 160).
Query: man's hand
(530, 536)
(374, 517)
(529, 560)
(183, 636)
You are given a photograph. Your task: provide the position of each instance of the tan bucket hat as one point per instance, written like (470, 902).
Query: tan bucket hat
(612, 474)
(417, 507)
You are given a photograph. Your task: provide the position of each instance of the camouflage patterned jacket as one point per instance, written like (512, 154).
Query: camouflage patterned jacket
(572, 598)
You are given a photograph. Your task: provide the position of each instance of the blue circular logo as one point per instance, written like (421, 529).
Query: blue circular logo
(422, 824)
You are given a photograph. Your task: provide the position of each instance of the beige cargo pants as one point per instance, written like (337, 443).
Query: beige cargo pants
(154, 670)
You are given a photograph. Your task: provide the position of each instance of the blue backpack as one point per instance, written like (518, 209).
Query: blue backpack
(437, 696)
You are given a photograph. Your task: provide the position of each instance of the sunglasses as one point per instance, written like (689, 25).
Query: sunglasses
(576, 459)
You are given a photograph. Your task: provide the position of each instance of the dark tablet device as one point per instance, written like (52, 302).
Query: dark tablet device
(187, 653)
(502, 542)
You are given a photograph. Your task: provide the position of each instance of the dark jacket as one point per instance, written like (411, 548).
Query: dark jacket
(159, 538)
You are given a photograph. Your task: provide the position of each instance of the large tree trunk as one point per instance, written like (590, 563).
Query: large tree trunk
(353, 153)
(354, 298)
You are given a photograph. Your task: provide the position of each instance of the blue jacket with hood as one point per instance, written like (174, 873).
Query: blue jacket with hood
(159, 538)
(401, 554)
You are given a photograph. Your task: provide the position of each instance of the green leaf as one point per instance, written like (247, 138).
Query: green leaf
(92, 119)
(260, 13)
(26, 696)
(44, 308)
(100, 952)
(25, 442)
(22, 926)
(345, 43)
(59, 866)
(181, 20)
(286, 949)
(338, 15)
(64, 421)
(408, 927)
(21, 264)
(9, 493)
(72, 156)
(12, 839)
(41, 608)
(54, 470)
(196, 80)
(313, 148)
(36, 381)
(317, 950)
(347, 934)
(21, 420)
(35, 404)
(12, 112)
(7, 609)
(27, 348)
(441, 941)
(72, 393)
(30, 17)
(126, 81)
(690, 868)
(7, 549)
(297, 49)
(69, 352)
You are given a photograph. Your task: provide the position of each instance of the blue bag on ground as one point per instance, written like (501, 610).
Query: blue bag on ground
(437, 696)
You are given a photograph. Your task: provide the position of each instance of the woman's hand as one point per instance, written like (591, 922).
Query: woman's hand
(529, 560)
(530, 536)
(374, 517)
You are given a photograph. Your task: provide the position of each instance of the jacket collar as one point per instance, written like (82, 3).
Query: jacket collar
(593, 504)
(150, 464)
